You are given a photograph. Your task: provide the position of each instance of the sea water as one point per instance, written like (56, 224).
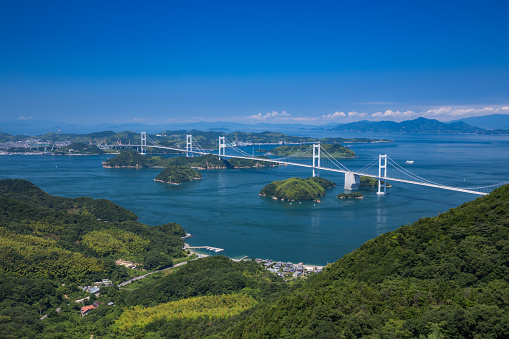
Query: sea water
(224, 209)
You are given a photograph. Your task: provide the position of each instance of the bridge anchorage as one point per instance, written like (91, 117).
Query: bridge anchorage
(321, 160)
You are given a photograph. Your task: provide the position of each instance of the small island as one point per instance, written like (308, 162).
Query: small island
(297, 189)
(176, 175)
(335, 150)
(354, 195)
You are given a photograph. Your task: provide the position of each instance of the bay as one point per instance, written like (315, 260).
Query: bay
(224, 209)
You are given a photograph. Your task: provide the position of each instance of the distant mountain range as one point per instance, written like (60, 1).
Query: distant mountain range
(493, 121)
(416, 126)
(31, 127)
(491, 124)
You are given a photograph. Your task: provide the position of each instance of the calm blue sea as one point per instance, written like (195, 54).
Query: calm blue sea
(224, 209)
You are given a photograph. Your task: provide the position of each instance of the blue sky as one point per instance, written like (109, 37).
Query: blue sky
(252, 61)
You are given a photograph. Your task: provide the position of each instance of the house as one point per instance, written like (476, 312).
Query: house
(86, 309)
(107, 282)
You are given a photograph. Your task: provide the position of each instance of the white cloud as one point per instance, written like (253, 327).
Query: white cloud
(357, 115)
(342, 116)
(394, 115)
(25, 118)
(333, 116)
(272, 115)
(451, 112)
(442, 113)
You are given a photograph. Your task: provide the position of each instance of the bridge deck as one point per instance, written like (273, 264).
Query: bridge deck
(450, 188)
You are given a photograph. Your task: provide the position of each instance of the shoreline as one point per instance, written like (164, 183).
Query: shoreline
(193, 250)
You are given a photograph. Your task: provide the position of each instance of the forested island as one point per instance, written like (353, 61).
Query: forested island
(132, 159)
(335, 150)
(297, 189)
(181, 169)
(176, 175)
(440, 277)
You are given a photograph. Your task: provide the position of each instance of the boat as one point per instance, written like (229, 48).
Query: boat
(409, 162)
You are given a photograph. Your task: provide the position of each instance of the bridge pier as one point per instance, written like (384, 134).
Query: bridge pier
(352, 181)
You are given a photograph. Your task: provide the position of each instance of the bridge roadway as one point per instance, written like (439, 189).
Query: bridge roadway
(450, 188)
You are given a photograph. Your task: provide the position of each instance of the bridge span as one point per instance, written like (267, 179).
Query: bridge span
(352, 178)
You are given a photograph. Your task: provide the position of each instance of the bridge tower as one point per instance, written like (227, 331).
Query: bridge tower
(143, 143)
(222, 147)
(189, 144)
(316, 160)
(382, 172)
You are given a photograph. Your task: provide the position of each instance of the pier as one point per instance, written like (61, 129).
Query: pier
(209, 248)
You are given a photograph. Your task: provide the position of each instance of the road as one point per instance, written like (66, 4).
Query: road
(164, 269)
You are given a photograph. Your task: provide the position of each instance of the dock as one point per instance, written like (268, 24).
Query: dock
(208, 248)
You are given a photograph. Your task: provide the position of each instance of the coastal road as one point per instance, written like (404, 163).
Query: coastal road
(164, 269)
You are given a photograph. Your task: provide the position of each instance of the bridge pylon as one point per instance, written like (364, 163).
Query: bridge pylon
(316, 160)
(143, 149)
(382, 172)
(189, 144)
(222, 147)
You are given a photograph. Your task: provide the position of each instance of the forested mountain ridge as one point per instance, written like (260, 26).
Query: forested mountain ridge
(63, 238)
(447, 275)
(417, 126)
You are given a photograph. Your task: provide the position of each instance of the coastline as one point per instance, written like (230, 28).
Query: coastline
(269, 263)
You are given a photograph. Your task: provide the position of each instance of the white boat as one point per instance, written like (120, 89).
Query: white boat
(409, 162)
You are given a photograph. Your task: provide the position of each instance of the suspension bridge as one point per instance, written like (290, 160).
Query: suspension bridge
(382, 168)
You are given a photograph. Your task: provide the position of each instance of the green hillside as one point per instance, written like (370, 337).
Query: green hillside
(447, 275)
(441, 277)
(75, 239)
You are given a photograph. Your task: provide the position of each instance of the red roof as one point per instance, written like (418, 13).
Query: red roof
(85, 309)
